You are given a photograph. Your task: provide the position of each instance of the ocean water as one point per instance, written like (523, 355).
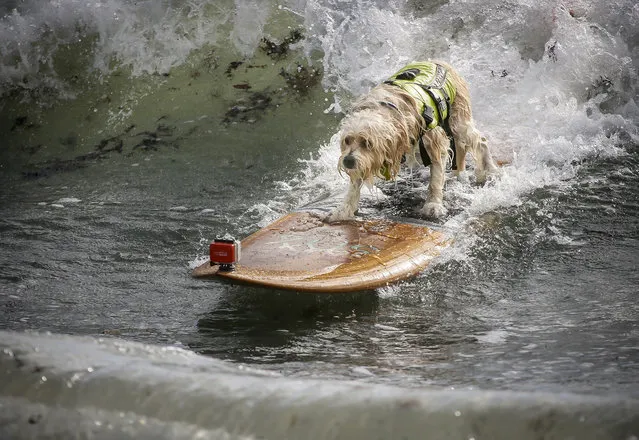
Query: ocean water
(134, 132)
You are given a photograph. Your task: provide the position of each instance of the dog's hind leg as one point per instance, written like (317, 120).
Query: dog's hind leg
(346, 210)
(467, 137)
(484, 164)
(460, 145)
(469, 140)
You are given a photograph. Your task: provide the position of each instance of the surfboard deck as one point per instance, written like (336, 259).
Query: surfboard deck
(300, 252)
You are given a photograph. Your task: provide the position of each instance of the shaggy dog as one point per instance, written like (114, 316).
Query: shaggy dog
(384, 129)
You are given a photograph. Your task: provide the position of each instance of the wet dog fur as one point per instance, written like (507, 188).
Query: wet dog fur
(375, 136)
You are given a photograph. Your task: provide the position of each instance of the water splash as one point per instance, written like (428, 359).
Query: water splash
(41, 42)
(250, 18)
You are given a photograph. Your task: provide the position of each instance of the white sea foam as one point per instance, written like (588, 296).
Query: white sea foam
(198, 261)
(389, 291)
(249, 21)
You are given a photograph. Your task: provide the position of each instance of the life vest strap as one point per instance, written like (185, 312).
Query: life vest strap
(452, 151)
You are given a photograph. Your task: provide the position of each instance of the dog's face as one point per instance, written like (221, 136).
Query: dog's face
(355, 150)
(363, 153)
(378, 133)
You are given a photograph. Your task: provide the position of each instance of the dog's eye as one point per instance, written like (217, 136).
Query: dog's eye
(348, 140)
(366, 144)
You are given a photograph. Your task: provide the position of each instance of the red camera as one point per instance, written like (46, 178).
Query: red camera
(225, 253)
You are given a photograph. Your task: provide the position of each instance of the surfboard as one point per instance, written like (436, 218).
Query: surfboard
(301, 252)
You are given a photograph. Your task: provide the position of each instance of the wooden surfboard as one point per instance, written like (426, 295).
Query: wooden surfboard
(300, 252)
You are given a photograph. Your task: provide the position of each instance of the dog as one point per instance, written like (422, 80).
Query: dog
(425, 107)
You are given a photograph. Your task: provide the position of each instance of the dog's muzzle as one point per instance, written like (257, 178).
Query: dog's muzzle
(349, 162)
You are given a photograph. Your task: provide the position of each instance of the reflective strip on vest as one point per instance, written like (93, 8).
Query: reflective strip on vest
(416, 78)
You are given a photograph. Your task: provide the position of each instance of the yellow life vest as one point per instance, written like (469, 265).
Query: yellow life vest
(430, 85)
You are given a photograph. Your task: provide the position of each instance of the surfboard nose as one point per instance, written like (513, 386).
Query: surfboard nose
(349, 162)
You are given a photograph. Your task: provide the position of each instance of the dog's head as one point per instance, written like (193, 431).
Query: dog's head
(378, 133)
(362, 150)
(372, 145)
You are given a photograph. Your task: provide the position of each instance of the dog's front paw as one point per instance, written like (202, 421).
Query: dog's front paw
(339, 215)
(433, 210)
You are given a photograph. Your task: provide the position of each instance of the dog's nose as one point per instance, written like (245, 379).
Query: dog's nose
(349, 162)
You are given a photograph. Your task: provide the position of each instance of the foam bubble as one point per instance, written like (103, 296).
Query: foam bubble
(389, 291)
